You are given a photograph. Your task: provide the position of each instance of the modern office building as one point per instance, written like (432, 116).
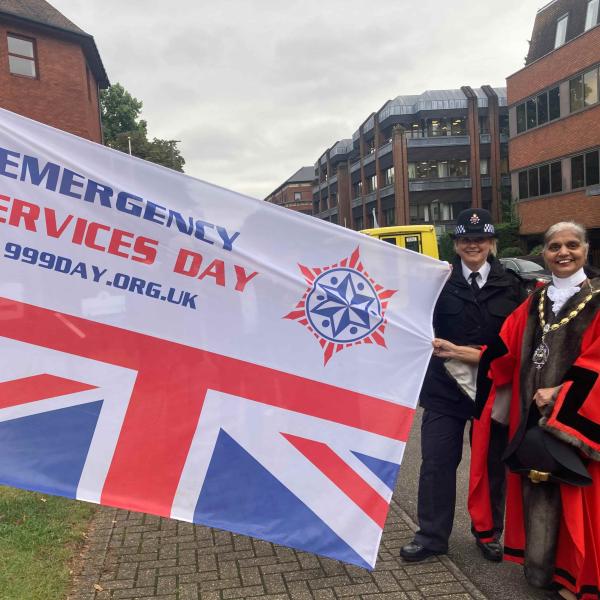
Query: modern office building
(296, 191)
(419, 159)
(50, 70)
(554, 117)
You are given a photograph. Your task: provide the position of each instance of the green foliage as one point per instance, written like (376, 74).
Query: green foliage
(122, 126)
(446, 247)
(120, 113)
(536, 250)
(39, 536)
(508, 237)
(510, 251)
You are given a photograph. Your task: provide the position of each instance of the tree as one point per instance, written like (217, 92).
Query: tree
(123, 127)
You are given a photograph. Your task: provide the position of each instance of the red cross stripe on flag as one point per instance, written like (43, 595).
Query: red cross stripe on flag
(145, 424)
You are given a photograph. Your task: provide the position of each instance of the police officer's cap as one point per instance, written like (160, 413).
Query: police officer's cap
(474, 222)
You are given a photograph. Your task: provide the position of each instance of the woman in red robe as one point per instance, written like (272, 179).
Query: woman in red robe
(549, 362)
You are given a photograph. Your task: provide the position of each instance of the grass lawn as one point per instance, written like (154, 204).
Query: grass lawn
(39, 535)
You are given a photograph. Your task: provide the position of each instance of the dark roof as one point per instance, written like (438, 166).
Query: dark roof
(302, 175)
(544, 27)
(46, 17)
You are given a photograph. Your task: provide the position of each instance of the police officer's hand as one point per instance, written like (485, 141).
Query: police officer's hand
(445, 349)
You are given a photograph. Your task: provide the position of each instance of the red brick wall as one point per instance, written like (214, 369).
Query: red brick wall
(570, 135)
(537, 215)
(59, 97)
(560, 64)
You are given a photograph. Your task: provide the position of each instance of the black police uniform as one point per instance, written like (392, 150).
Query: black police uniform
(464, 317)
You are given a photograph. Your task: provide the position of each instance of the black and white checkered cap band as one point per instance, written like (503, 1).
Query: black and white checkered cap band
(488, 228)
(460, 229)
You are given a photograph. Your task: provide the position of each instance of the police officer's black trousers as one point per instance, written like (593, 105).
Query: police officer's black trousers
(441, 453)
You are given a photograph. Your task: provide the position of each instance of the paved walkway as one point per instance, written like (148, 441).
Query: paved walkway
(131, 555)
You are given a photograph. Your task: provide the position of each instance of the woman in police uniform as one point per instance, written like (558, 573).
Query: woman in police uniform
(477, 298)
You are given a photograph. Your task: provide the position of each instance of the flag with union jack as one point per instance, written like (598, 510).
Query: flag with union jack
(254, 369)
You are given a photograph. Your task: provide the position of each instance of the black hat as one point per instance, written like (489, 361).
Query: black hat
(474, 222)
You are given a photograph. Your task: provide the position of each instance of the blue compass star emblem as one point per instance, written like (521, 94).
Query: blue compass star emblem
(343, 306)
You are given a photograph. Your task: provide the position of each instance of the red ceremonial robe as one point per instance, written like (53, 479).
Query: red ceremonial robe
(575, 417)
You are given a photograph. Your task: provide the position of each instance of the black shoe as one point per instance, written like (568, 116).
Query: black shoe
(491, 550)
(414, 552)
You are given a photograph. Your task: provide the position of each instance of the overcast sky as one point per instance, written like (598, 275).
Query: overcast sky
(256, 89)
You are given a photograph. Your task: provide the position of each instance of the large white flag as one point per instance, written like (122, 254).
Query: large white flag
(173, 347)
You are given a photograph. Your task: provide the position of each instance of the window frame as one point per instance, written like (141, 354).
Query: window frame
(533, 175)
(564, 18)
(589, 23)
(33, 59)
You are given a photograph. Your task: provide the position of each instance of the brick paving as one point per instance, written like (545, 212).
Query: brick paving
(131, 555)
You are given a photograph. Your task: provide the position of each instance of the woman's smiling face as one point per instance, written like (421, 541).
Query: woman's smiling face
(565, 253)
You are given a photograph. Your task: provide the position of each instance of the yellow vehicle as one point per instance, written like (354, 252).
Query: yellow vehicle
(419, 238)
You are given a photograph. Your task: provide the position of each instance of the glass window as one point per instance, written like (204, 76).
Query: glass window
(484, 125)
(412, 170)
(413, 211)
(561, 31)
(484, 166)
(590, 87)
(556, 177)
(388, 176)
(544, 180)
(297, 196)
(577, 172)
(531, 114)
(591, 16)
(542, 108)
(576, 93)
(521, 118)
(21, 56)
(458, 127)
(532, 176)
(443, 170)
(591, 168)
(389, 216)
(523, 192)
(554, 103)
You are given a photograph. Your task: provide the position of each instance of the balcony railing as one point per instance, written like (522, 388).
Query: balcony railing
(485, 138)
(327, 213)
(387, 190)
(355, 166)
(448, 140)
(443, 183)
(385, 149)
(333, 179)
(369, 159)
(486, 181)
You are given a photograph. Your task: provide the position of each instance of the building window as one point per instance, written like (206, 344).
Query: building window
(357, 189)
(540, 181)
(371, 183)
(358, 222)
(538, 110)
(297, 196)
(434, 169)
(583, 90)
(585, 170)
(561, 31)
(591, 16)
(389, 217)
(388, 176)
(21, 56)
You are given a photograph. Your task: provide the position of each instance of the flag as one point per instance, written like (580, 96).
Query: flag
(176, 348)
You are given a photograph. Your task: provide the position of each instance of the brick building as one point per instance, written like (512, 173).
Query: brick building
(296, 191)
(420, 159)
(50, 70)
(554, 122)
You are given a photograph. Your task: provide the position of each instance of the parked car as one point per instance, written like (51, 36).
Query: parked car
(532, 273)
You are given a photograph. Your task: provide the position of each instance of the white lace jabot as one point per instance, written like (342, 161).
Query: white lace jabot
(563, 288)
